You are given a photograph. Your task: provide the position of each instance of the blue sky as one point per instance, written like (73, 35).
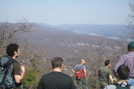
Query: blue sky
(55, 12)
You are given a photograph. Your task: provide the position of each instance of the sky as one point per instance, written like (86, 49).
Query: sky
(56, 12)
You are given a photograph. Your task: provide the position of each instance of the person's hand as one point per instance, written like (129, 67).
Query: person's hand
(22, 68)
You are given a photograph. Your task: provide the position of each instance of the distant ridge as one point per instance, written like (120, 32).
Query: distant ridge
(44, 24)
(108, 30)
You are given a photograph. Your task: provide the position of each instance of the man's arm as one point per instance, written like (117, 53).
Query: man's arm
(84, 69)
(120, 62)
(18, 78)
(85, 72)
(111, 79)
(73, 71)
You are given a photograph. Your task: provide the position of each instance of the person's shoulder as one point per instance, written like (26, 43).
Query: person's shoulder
(83, 66)
(110, 87)
(55, 73)
(16, 63)
(78, 65)
(46, 75)
(131, 87)
(65, 76)
(124, 55)
(102, 68)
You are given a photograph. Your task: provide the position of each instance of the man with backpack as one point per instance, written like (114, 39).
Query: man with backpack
(105, 75)
(80, 74)
(122, 73)
(11, 72)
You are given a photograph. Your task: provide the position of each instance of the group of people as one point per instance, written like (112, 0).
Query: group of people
(53, 80)
(123, 70)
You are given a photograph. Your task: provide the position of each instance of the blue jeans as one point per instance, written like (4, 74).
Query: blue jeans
(130, 81)
(82, 82)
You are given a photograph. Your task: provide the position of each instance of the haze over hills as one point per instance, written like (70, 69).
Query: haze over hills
(113, 31)
(65, 41)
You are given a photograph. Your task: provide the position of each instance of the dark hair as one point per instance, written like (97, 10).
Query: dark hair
(107, 62)
(11, 48)
(57, 62)
(123, 72)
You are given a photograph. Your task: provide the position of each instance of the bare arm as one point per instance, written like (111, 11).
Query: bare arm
(111, 79)
(85, 72)
(18, 78)
(73, 71)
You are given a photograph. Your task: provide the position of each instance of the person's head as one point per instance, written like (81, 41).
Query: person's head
(82, 62)
(123, 72)
(131, 46)
(107, 63)
(13, 50)
(57, 62)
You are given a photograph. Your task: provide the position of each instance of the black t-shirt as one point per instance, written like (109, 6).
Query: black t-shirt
(56, 80)
(16, 71)
(16, 68)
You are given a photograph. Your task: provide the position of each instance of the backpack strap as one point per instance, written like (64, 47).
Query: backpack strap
(118, 85)
(12, 59)
(80, 67)
(128, 85)
(7, 64)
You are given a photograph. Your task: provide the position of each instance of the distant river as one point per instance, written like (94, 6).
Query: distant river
(94, 34)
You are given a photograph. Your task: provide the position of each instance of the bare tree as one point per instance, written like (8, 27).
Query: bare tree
(9, 30)
(130, 19)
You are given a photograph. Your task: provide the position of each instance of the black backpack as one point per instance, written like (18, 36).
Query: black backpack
(6, 79)
(118, 86)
